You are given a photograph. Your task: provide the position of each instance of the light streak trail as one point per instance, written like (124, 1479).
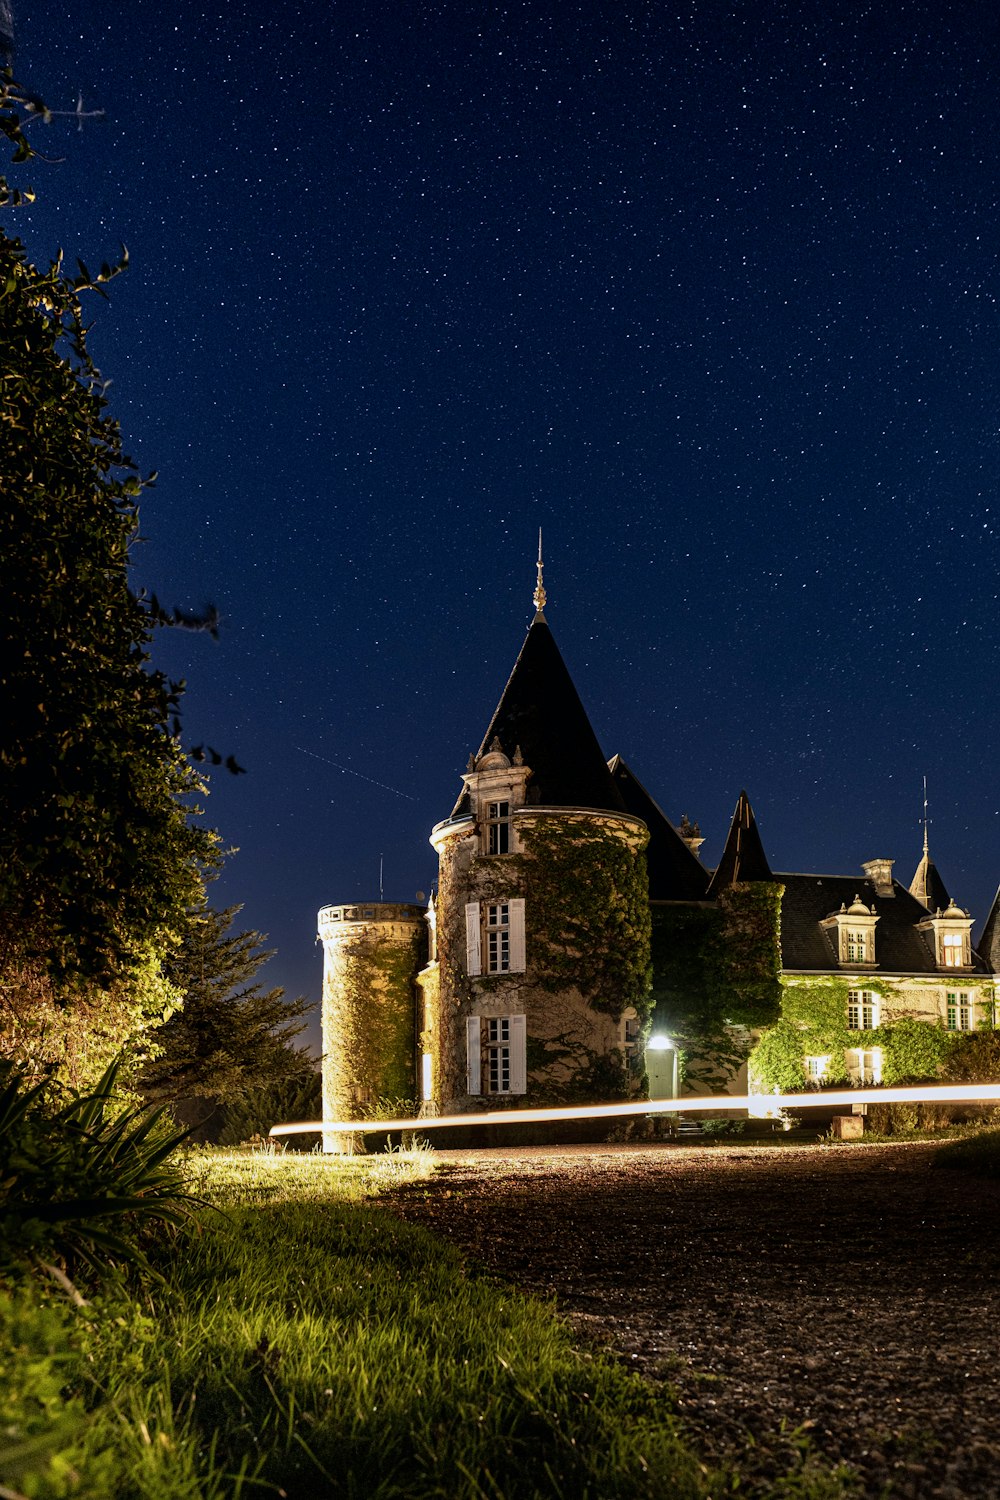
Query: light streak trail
(346, 770)
(959, 1093)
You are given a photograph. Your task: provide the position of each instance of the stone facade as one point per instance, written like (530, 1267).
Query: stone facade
(489, 963)
(531, 979)
(372, 953)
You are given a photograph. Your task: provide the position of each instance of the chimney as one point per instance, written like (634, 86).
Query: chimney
(879, 872)
(691, 834)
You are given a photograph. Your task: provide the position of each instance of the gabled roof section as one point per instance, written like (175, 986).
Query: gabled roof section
(988, 946)
(541, 715)
(928, 887)
(675, 874)
(743, 858)
(899, 947)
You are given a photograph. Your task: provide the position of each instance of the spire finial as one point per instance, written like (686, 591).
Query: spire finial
(925, 817)
(539, 594)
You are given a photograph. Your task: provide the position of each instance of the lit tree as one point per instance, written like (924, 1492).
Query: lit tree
(98, 853)
(100, 858)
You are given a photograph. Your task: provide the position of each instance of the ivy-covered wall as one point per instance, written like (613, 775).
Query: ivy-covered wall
(915, 1044)
(716, 977)
(583, 879)
(587, 913)
(368, 1019)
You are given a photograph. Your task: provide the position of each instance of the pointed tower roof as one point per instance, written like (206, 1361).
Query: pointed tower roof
(675, 874)
(743, 858)
(540, 715)
(927, 885)
(988, 946)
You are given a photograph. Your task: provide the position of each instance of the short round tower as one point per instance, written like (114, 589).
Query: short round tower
(372, 953)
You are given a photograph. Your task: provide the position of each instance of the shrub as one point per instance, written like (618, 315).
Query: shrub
(80, 1174)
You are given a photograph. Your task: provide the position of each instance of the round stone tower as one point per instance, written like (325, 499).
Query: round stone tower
(372, 952)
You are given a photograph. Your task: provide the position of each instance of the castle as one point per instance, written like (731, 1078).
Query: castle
(576, 945)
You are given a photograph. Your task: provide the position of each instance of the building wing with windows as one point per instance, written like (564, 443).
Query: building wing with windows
(527, 979)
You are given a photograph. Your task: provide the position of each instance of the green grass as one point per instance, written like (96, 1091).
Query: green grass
(306, 1343)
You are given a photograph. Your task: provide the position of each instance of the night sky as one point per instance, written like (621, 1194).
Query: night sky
(707, 291)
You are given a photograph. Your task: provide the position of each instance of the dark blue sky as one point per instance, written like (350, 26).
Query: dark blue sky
(708, 291)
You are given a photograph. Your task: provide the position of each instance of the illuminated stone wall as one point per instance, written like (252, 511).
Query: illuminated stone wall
(581, 876)
(372, 953)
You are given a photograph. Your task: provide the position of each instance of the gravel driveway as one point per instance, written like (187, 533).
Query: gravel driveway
(848, 1291)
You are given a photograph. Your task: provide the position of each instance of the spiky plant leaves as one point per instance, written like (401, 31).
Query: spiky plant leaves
(82, 1176)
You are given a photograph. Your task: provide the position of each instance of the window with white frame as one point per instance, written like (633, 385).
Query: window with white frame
(961, 1014)
(862, 1010)
(496, 828)
(496, 1054)
(856, 947)
(498, 938)
(816, 1067)
(494, 936)
(954, 953)
(864, 1064)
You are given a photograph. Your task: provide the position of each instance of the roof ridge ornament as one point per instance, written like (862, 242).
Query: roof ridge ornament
(925, 817)
(539, 594)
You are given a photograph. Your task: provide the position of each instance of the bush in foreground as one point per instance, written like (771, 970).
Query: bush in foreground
(80, 1175)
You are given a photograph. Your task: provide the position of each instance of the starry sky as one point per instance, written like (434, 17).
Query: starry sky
(707, 291)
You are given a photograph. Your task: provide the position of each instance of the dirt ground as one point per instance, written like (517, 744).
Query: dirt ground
(847, 1291)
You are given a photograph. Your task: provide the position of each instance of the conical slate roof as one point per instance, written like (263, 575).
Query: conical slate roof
(743, 858)
(927, 885)
(675, 874)
(988, 946)
(541, 715)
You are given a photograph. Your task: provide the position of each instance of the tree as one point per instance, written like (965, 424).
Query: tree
(100, 858)
(230, 1036)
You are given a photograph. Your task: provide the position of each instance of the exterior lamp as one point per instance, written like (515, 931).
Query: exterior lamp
(662, 1072)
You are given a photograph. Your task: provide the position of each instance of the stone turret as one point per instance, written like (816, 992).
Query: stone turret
(539, 982)
(371, 955)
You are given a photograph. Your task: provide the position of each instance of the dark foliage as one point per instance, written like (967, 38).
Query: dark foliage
(231, 1036)
(80, 1174)
(98, 853)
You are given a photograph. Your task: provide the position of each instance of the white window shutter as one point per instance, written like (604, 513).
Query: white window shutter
(518, 1058)
(473, 940)
(474, 1053)
(517, 961)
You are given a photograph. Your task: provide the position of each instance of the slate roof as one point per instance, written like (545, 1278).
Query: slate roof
(928, 887)
(989, 944)
(540, 713)
(899, 947)
(743, 858)
(675, 874)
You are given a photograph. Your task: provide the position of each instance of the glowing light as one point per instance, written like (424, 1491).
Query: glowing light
(659, 1043)
(959, 1093)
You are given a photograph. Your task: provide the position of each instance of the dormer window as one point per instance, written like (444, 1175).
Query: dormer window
(496, 828)
(949, 933)
(857, 945)
(851, 930)
(954, 950)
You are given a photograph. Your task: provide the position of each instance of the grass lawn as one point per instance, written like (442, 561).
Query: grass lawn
(304, 1342)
